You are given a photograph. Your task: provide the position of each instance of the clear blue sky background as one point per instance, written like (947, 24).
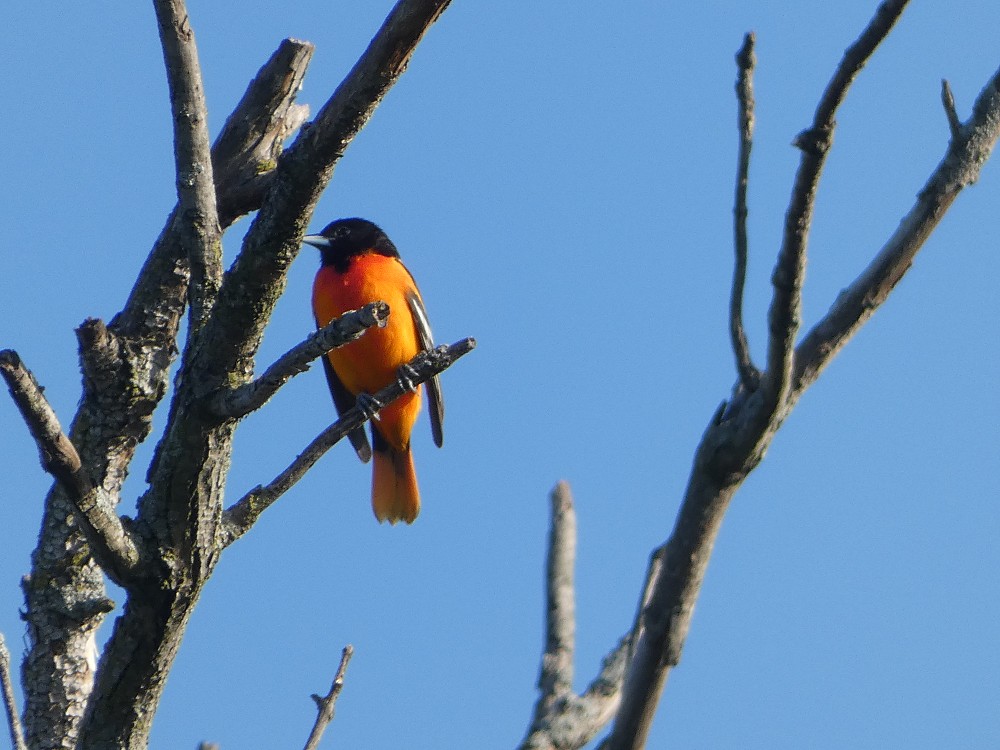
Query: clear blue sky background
(559, 178)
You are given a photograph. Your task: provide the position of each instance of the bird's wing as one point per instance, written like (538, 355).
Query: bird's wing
(344, 401)
(435, 405)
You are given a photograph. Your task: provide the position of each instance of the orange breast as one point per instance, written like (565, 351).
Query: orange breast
(371, 363)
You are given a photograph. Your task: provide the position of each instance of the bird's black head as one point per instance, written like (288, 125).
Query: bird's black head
(344, 239)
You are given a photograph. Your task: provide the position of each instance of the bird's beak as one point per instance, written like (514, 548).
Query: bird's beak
(316, 240)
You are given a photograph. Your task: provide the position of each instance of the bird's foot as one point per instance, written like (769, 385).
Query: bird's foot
(407, 376)
(368, 404)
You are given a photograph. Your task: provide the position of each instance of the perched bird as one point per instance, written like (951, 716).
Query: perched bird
(359, 264)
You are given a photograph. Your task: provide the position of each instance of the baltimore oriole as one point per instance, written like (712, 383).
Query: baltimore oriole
(359, 264)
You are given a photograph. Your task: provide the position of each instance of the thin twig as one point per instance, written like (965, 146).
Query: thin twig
(784, 316)
(9, 701)
(241, 516)
(948, 100)
(328, 702)
(350, 326)
(113, 546)
(556, 676)
(200, 231)
(745, 60)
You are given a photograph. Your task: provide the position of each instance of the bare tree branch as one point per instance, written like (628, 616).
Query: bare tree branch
(246, 152)
(745, 60)
(948, 101)
(199, 231)
(328, 702)
(562, 719)
(960, 167)
(114, 547)
(9, 701)
(556, 676)
(238, 402)
(56, 452)
(784, 316)
(241, 516)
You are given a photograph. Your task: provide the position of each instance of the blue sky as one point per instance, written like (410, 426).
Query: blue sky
(558, 177)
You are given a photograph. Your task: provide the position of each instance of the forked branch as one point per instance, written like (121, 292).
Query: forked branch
(738, 436)
(328, 702)
(563, 719)
(970, 146)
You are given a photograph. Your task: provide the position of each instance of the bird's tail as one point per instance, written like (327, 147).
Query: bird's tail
(395, 496)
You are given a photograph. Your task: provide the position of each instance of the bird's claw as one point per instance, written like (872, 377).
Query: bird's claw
(407, 377)
(368, 404)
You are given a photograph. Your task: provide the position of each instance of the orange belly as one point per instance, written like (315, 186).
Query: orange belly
(371, 363)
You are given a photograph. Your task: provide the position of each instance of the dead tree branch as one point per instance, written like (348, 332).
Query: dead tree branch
(9, 701)
(112, 545)
(784, 316)
(561, 718)
(734, 443)
(243, 514)
(247, 150)
(959, 167)
(238, 402)
(556, 677)
(328, 702)
(745, 60)
(738, 435)
(199, 231)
